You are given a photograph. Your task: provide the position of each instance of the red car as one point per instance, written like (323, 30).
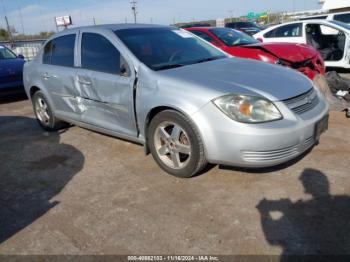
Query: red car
(301, 57)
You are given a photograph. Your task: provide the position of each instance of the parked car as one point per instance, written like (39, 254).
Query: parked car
(195, 25)
(11, 70)
(297, 56)
(185, 100)
(330, 38)
(339, 16)
(249, 28)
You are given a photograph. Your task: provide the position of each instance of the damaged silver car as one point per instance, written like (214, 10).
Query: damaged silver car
(185, 100)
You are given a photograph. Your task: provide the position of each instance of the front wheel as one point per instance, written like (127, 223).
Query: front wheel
(175, 144)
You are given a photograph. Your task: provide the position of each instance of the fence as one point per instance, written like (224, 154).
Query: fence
(28, 49)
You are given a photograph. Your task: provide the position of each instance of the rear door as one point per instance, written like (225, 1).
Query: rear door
(105, 83)
(57, 73)
(290, 33)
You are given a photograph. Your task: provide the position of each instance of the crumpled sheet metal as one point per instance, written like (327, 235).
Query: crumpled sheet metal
(335, 104)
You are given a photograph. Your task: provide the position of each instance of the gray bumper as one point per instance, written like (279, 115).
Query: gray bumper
(257, 145)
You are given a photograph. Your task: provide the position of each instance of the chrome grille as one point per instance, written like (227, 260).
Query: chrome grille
(303, 103)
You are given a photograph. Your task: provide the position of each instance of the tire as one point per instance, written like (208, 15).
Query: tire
(44, 113)
(176, 145)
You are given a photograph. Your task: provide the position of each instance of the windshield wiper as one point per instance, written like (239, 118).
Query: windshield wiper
(170, 66)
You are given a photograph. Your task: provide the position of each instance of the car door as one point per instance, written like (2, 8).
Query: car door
(11, 69)
(330, 42)
(57, 73)
(105, 84)
(290, 33)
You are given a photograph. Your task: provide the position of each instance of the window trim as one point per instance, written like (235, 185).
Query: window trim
(122, 57)
(50, 41)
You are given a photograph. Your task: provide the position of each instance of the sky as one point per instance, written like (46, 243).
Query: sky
(38, 15)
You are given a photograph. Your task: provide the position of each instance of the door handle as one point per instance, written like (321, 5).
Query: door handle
(84, 82)
(46, 76)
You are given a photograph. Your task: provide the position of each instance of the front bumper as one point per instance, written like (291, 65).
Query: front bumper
(257, 145)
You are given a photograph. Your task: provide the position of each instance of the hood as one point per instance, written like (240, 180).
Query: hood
(287, 51)
(239, 76)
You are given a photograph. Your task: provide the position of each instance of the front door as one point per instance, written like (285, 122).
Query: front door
(105, 85)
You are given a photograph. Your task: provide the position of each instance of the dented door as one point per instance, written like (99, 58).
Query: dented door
(107, 100)
(105, 85)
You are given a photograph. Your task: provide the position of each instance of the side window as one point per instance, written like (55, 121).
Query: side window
(62, 53)
(203, 36)
(47, 53)
(293, 30)
(98, 54)
(345, 18)
(327, 30)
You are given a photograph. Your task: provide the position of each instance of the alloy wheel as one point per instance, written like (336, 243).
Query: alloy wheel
(42, 111)
(172, 145)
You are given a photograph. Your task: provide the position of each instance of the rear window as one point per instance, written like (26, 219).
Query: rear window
(205, 36)
(345, 18)
(60, 51)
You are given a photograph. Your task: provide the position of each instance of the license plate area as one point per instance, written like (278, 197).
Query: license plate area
(321, 127)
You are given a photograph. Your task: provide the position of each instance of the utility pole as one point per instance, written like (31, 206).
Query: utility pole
(231, 15)
(9, 31)
(94, 20)
(20, 16)
(294, 6)
(56, 24)
(134, 9)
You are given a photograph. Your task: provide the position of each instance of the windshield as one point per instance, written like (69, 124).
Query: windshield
(165, 48)
(341, 24)
(5, 53)
(232, 37)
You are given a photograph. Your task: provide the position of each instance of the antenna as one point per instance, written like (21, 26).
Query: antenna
(134, 9)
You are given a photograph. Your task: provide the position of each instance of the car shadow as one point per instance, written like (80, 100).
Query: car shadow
(35, 167)
(309, 230)
(12, 96)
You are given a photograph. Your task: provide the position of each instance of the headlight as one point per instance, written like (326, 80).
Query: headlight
(248, 109)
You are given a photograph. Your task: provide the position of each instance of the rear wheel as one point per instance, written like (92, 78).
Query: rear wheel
(176, 145)
(44, 114)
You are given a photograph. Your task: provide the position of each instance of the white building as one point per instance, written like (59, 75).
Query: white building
(335, 5)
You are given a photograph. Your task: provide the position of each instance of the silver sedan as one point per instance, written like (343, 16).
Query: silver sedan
(186, 101)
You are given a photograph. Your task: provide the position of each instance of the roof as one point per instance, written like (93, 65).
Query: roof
(116, 27)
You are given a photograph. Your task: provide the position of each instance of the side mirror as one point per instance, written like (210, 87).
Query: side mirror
(124, 71)
(21, 56)
(260, 39)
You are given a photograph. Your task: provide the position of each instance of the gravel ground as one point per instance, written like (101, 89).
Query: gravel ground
(80, 192)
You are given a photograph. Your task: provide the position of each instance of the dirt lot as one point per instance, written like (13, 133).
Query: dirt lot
(80, 192)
